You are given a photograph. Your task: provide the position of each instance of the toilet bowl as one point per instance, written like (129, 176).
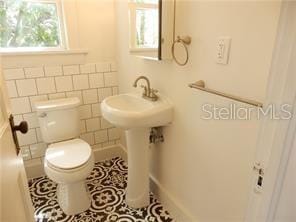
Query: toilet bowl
(68, 164)
(68, 160)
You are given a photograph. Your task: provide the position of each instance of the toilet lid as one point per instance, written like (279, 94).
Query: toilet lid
(68, 154)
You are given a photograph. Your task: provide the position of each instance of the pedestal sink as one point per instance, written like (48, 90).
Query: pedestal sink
(136, 116)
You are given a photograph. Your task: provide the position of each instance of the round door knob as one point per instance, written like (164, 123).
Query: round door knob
(22, 127)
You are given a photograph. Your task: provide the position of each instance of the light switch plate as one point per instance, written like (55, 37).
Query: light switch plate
(223, 50)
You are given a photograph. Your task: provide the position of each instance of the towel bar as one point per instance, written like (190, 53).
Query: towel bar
(201, 86)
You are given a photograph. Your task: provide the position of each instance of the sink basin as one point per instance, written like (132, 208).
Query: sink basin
(136, 116)
(132, 111)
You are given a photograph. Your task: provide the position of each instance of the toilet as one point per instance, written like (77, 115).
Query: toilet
(68, 160)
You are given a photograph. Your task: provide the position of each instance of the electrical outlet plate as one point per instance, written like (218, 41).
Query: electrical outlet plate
(223, 50)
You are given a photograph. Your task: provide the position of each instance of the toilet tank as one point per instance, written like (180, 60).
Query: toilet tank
(58, 119)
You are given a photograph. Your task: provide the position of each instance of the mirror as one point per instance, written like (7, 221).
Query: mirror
(151, 28)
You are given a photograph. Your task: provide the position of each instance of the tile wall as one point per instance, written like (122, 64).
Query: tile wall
(89, 82)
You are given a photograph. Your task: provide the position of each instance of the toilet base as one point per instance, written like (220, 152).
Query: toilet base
(72, 192)
(73, 198)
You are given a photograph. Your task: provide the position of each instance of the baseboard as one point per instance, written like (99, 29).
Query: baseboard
(109, 152)
(178, 212)
(34, 168)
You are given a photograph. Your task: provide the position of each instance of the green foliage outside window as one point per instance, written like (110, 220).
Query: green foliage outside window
(28, 24)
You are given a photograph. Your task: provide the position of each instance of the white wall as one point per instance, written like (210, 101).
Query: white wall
(90, 25)
(206, 165)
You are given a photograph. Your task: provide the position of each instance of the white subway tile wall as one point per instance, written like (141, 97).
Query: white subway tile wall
(90, 96)
(45, 85)
(56, 95)
(80, 82)
(26, 87)
(14, 74)
(64, 83)
(96, 80)
(53, 70)
(91, 83)
(34, 72)
(11, 87)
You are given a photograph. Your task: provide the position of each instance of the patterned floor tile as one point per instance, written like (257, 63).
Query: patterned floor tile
(106, 184)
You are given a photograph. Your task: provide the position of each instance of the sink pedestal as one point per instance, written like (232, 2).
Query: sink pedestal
(133, 112)
(137, 194)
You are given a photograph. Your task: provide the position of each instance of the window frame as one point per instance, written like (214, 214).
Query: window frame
(133, 6)
(62, 32)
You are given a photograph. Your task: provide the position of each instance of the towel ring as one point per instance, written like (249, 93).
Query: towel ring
(186, 40)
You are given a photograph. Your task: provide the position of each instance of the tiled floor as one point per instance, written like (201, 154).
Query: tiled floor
(106, 184)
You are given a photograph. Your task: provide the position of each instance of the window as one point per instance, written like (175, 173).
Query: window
(144, 24)
(28, 25)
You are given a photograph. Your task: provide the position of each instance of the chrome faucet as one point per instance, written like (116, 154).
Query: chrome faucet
(148, 92)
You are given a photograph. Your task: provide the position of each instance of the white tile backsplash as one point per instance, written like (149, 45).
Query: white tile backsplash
(91, 83)
(28, 138)
(85, 111)
(14, 74)
(26, 87)
(105, 124)
(38, 150)
(71, 70)
(53, 70)
(11, 88)
(103, 93)
(82, 126)
(90, 96)
(17, 119)
(101, 136)
(96, 109)
(20, 105)
(92, 124)
(46, 85)
(96, 80)
(113, 134)
(87, 68)
(88, 137)
(80, 82)
(64, 83)
(109, 143)
(34, 72)
(32, 120)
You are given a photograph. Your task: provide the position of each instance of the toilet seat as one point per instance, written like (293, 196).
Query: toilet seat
(68, 164)
(68, 155)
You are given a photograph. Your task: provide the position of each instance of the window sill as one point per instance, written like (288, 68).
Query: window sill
(45, 52)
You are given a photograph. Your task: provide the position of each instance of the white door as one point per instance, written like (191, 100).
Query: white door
(16, 204)
(275, 143)
(285, 210)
